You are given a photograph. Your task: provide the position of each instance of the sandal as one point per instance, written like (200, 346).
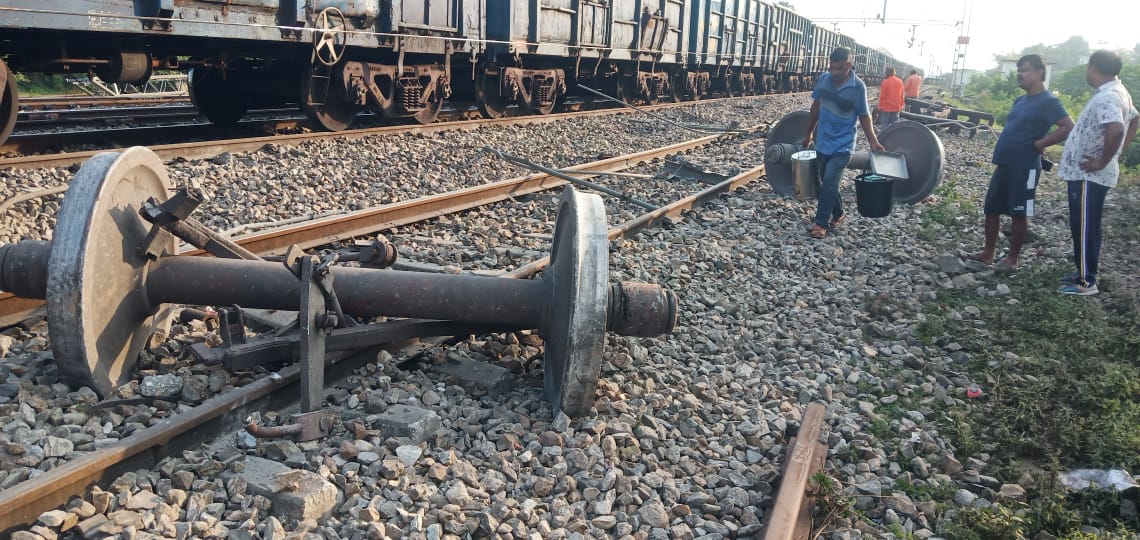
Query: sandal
(817, 232)
(975, 257)
(838, 221)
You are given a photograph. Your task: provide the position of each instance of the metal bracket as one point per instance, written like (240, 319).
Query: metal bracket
(231, 326)
(174, 216)
(313, 422)
(312, 321)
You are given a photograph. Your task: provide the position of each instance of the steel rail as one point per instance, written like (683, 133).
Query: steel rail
(24, 502)
(333, 228)
(43, 116)
(84, 100)
(790, 518)
(205, 149)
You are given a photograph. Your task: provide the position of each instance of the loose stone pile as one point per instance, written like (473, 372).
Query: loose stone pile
(689, 429)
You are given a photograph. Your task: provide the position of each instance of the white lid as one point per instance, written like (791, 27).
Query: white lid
(804, 155)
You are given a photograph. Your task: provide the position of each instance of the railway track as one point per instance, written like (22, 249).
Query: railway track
(28, 500)
(56, 102)
(324, 231)
(124, 116)
(41, 149)
(798, 460)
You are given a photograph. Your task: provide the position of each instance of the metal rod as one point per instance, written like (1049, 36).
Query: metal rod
(198, 235)
(714, 131)
(608, 173)
(362, 292)
(574, 180)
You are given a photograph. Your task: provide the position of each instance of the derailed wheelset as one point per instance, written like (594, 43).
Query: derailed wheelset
(108, 276)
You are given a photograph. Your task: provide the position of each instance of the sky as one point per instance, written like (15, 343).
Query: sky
(993, 26)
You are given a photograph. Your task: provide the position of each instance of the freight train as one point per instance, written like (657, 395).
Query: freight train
(406, 58)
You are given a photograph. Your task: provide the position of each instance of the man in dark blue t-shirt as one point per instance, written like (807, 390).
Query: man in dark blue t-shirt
(1017, 155)
(839, 100)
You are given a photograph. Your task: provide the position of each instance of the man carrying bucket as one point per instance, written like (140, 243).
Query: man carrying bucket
(839, 100)
(1017, 156)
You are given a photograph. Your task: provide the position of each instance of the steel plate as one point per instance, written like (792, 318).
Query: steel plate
(924, 159)
(98, 316)
(574, 319)
(791, 129)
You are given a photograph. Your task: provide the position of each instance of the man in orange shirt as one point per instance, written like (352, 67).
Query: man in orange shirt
(913, 84)
(891, 99)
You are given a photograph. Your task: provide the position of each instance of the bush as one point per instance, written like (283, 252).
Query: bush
(995, 94)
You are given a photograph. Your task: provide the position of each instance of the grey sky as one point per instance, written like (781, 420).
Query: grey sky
(994, 26)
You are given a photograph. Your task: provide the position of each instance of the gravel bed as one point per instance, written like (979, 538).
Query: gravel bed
(329, 176)
(689, 429)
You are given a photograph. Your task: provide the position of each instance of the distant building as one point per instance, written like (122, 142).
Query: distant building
(1009, 66)
(963, 76)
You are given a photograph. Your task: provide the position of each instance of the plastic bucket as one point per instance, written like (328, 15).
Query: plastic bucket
(874, 195)
(804, 175)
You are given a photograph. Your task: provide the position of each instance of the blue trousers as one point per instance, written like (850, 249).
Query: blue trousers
(1086, 201)
(830, 204)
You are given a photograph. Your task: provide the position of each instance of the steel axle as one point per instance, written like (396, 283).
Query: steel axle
(106, 296)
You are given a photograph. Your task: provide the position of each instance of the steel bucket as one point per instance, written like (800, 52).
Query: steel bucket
(804, 174)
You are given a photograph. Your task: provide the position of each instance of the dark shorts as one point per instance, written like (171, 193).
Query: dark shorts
(1012, 190)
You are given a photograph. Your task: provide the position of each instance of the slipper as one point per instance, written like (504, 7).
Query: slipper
(1004, 267)
(817, 232)
(974, 257)
(838, 221)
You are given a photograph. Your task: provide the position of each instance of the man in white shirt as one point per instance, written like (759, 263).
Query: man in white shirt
(1107, 125)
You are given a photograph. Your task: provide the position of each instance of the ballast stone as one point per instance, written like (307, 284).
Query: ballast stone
(412, 422)
(295, 494)
(495, 380)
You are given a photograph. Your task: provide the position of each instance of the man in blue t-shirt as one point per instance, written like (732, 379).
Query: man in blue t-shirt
(838, 100)
(1017, 155)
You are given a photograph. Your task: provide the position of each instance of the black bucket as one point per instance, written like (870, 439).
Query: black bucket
(874, 195)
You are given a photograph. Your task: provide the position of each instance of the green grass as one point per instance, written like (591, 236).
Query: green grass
(1062, 392)
(1073, 390)
(950, 208)
(37, 84)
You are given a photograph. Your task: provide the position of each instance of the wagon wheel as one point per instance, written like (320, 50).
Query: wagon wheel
(627, 88)
(215, 96)
(729, 89)
(325, 101)
(574, 321)
(329, 38)
(431, 109)
(99, 317)
(676, 89)
(490, 96)
(535, 106)
(9, 102)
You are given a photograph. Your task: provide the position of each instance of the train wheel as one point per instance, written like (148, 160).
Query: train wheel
(325, 103)
(215, 97)
(489, 96)
(429, 112)
(9, 102)
(676, 89)
(627, 89)
(695, 88)
(535, 105)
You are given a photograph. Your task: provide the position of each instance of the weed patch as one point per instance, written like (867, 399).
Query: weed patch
(1063, 388)
(950, 209)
